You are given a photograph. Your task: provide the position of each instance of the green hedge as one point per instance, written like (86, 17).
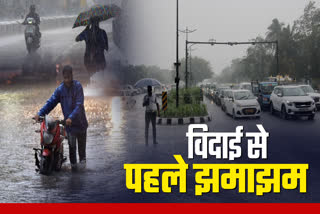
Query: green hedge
(189, 104)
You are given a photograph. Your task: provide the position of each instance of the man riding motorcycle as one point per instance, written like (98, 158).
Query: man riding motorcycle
(32, 14)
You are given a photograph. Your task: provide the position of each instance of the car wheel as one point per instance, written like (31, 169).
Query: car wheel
(234, 114)
(271, 109)
(284, 114)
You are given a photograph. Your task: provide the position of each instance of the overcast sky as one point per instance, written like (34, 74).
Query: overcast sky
(154, 42)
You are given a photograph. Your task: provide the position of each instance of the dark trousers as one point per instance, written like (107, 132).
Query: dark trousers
(151, 116)
(82, 141)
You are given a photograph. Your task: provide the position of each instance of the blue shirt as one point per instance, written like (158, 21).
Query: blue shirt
(72, 104)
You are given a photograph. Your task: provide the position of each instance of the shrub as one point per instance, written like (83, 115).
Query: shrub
(189, 104)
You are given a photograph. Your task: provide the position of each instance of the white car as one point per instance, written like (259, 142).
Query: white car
(241, 103)
(245, 86)
(224, 97)
(312, 93)
(128, 90)
(292, 101)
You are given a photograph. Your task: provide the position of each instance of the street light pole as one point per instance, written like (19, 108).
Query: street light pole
(187, 31)
(177, 63)
(277, 55)
(186, 69)
(190, 70)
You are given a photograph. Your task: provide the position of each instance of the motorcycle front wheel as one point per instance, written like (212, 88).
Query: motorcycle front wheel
(58, 160)
(46, 164)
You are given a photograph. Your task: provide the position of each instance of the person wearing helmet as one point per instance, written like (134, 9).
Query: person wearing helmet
(32, 14)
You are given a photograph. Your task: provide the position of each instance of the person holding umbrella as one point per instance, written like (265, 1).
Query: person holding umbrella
(96, 38)
(152, 108)
(96, 42)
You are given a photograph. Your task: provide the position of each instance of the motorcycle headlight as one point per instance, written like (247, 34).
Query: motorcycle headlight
(47, 138)
(289, 103)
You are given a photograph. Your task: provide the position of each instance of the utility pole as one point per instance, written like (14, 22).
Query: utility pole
(187, 31)
(190, 70)
(177, 63)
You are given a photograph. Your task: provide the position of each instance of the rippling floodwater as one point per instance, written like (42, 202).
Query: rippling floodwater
(105, 149)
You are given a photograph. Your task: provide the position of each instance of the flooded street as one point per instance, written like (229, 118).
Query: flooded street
(115, 137)
(105, 143)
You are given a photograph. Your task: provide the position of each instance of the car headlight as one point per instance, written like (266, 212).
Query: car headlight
(312, 103)
(238, 105)
(289, 103)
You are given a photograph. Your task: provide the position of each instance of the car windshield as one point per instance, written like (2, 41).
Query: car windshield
(267, 89)
(293, 92)
(307, 89)
(243, 95)
(246, 87)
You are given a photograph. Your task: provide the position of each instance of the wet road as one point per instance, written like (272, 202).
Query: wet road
(20, 182)
(115, 137)
(57, 46)
(53, 43)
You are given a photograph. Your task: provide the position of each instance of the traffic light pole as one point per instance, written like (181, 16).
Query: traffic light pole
(238, 43)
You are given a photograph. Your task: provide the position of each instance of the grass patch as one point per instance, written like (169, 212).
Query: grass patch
(190, 104)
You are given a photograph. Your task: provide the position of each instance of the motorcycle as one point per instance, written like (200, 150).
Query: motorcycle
(50, 155)
(30, 34)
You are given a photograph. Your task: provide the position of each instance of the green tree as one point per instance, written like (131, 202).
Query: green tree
(199, 71)
(274, 30)
(299, 51)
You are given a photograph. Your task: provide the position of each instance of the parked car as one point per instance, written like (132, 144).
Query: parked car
(292, 101)
(242, 103)
(312, 93)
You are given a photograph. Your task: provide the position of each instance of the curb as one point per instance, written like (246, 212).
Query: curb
(184, 121)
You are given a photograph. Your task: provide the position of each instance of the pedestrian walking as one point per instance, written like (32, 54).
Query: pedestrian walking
(152, 109)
